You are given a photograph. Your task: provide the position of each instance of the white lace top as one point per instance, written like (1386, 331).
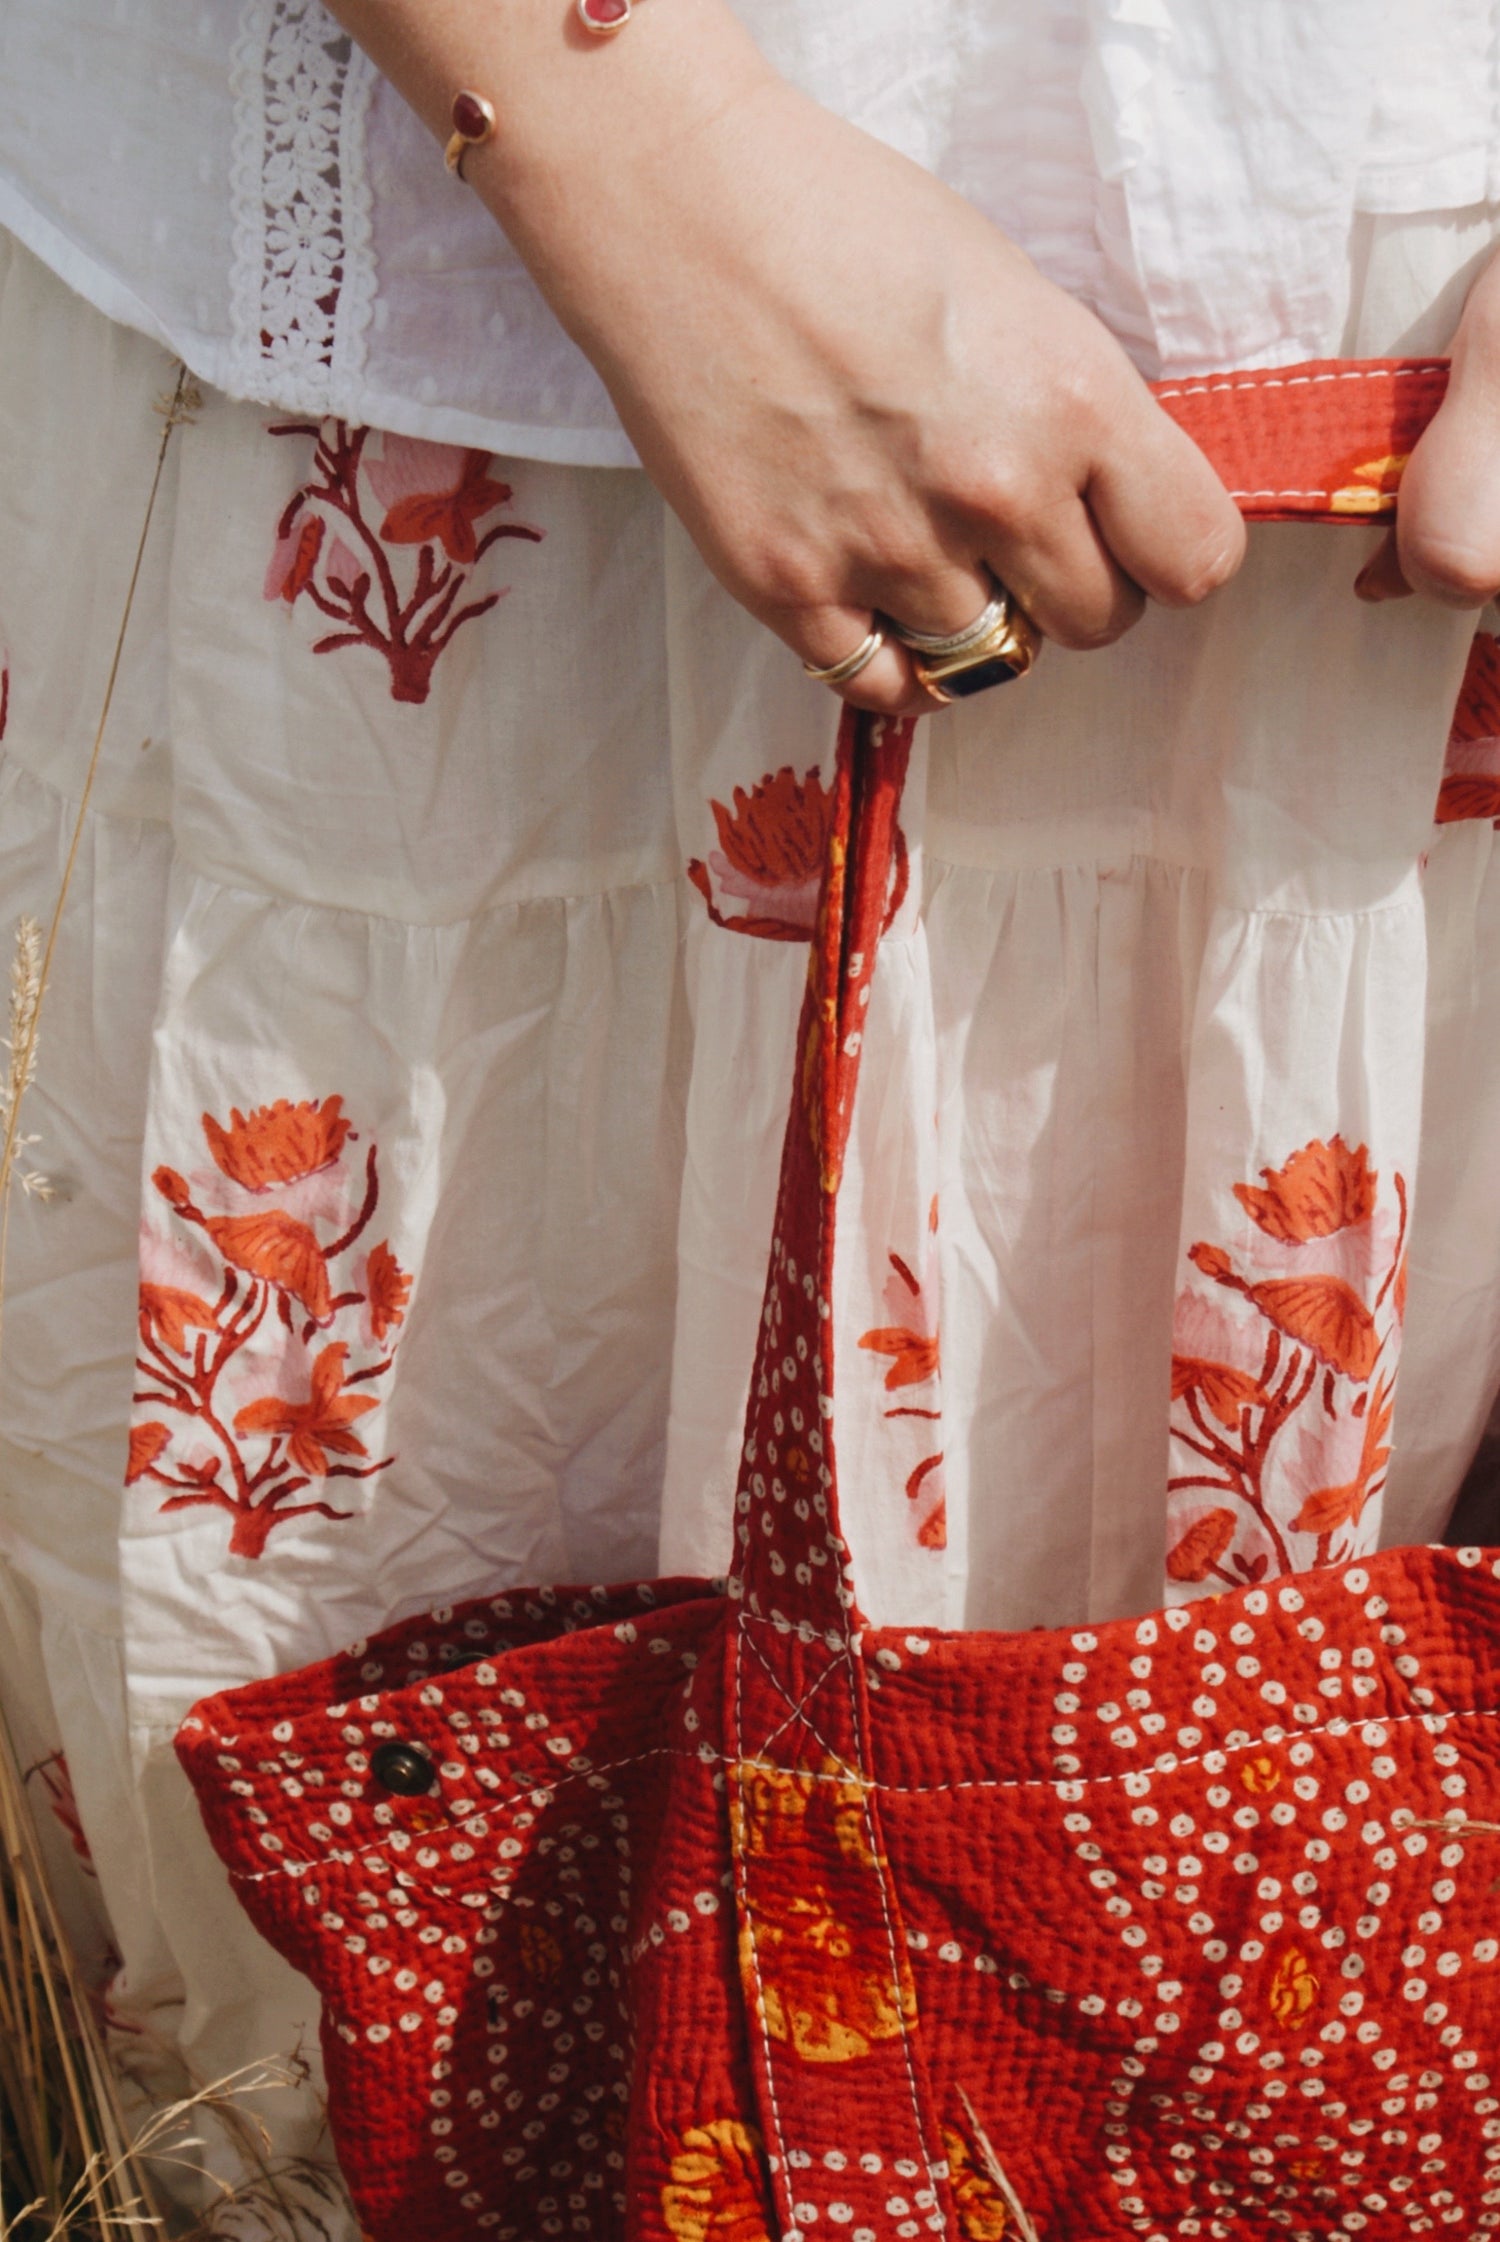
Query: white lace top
(233, 178)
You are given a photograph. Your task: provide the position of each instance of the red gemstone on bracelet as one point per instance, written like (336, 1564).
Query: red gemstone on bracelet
(604, 15)
(473, 118)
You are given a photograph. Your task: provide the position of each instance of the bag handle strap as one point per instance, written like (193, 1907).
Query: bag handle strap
(1324, 442)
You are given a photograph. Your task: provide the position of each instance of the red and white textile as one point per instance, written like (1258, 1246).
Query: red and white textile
(413, 1067)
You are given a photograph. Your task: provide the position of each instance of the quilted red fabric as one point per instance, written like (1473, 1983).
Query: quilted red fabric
(701, 1910)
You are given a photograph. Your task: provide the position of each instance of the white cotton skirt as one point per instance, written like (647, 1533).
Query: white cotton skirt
(414, 1062)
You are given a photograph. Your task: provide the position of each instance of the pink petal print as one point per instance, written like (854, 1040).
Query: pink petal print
(409, 468)
(341, 568)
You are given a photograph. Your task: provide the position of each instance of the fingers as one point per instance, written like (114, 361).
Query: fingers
(1065, 578)
(1163, 512)
(887, 685)
(1381, 577)
(1152, 520)
(1448, 516)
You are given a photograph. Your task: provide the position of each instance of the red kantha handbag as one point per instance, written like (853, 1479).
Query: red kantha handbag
(703, 1910)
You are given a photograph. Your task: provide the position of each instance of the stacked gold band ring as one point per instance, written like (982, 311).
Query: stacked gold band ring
(944, 647)
(839, 673)
(1001, 643)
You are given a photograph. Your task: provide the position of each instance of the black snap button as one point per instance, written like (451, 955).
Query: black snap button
(404, 1769)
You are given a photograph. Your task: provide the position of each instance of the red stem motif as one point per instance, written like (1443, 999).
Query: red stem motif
(410, 632)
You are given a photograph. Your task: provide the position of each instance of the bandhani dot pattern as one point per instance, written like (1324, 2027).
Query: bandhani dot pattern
(701, 1910)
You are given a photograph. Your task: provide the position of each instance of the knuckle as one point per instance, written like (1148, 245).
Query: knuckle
(781, 579)
(1449, 569)
(1202, 569)
(999, 492)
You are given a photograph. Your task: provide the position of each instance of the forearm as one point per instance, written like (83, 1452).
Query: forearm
(584, 125)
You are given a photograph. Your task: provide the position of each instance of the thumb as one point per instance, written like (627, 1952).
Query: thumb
(1448, 513)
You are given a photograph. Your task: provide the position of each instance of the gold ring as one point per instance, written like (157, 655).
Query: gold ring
(473, 124)
(943, 644)
(1007, 649)
(839, 673)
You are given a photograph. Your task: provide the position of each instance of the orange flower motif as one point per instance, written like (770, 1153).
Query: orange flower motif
(434, 492)
(387, 1288)
(146, 1443)
(1325, 1511)
(1327, 1315)
(171, 1311)
(1260, 1775)
(982, 2215)
(716, 2192)
(1321, 1189)
(1323, 1313)
(319, 1426)
(277, 1144)
(915, 1354)
(1225, 1390)
(1294, 1990)
(284, 1251)
(776, 835)
(771, 853)
(828, 1989)
(1202, 1547)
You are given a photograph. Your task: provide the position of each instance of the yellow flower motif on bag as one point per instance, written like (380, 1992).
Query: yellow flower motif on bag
(715, 2192)
(1260, 1775)
(823, 1976)
(1370, 486)
(1294, 1989)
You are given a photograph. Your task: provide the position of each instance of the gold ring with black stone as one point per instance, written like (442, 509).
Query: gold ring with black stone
(1008, 649)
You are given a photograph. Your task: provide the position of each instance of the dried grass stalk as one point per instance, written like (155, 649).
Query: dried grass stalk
(997, 2172)
(67, 2164)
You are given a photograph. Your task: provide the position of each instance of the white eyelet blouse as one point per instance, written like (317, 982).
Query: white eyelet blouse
(236, 180)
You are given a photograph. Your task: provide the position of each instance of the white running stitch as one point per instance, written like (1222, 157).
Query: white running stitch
(884, 1881)
(873, 1782)
(747, 1917)
(1306, 381)
(471, 1825)
(797, 1711)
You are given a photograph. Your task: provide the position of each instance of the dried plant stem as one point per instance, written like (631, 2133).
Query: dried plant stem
(997, 2172)
(180, 407)
(61, 2123)
(160, 2141)
(53, 2043)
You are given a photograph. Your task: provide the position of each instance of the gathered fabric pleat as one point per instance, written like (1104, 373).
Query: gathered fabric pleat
(412, 1074)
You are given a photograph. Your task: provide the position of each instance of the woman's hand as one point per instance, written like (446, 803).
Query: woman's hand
(1446, 542)
(859, 397)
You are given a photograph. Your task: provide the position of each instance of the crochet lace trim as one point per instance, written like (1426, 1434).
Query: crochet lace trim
(303, 276)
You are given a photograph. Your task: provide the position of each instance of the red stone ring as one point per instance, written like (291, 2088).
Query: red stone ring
(604, 17)
(473, 123)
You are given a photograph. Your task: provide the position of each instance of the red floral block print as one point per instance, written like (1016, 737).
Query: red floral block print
(332, 551)
(263, 1338)
(1283, 1372)
(56, 1779)
(912, 1343)
(771, 851)
(1471, 769)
